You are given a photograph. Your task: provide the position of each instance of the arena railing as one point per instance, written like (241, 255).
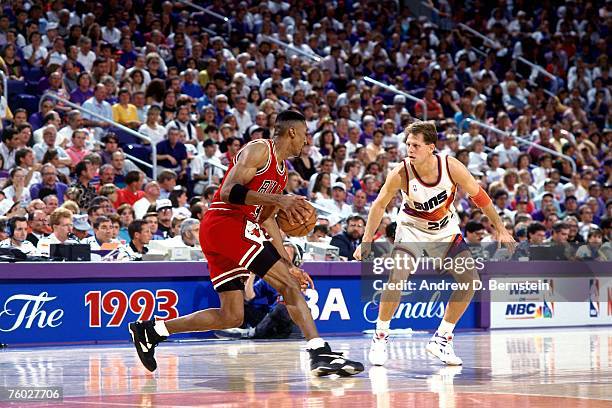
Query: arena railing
(306, 54)
(318, 58)
(524, 141)
(210, 13)
(393, 89)
(152, 165)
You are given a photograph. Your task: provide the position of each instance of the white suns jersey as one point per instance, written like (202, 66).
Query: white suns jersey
(429, 207)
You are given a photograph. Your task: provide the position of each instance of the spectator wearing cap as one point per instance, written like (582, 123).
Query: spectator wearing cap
(81, 227)
(164, 217)
(349, 240)
(337, 203)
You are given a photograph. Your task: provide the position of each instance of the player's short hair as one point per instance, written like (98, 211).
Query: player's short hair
(287, 119)
(427, 129)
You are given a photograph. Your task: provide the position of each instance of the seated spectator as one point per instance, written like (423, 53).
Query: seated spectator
(98, 105)
(77, 151)
(151, 128)
(172, 154)
(126, 216)
(49, 184)
(39, 226)
(348, 240)
(164, 218)
(133, 189)
(61, 224)
(85, 173)
(15, 189)
(17, 236)
(595, 249)
(166, 180)
(178, 198)
(150, 197)
(140, 236)
(81, 227)
(337, 203)
(103, 235)
(124, 112)
(189, 232)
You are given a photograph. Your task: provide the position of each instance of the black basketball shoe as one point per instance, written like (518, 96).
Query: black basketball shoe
(145, 339)
(324, 361)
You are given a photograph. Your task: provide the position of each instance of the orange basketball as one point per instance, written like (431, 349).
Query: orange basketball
(297, 230)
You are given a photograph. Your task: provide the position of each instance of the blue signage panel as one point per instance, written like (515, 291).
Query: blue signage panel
(62, 311)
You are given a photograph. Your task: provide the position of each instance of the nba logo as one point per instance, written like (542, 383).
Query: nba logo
(594, 297)
(414, 188)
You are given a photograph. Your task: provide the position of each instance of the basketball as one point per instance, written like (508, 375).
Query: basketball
(297, 230)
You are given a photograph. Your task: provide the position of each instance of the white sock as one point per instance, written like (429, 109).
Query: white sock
(382, 326)
(315, 343)
(250, 332)
(160, 328)
(445, 327)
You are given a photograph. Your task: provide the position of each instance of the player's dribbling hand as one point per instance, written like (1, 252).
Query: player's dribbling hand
(302, 277)
(296, 208)
(503, 237)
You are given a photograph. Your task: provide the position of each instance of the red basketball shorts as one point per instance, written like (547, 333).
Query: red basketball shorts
(234, 245)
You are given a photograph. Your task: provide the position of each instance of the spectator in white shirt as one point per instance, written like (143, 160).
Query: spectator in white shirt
(86, 56)
(508, 153)
(243, 118)
(151, 128)
(110, 33)
(337, 203)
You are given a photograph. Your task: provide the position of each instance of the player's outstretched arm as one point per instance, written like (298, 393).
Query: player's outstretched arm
(461, 175)
(251, 159)
(393, 183)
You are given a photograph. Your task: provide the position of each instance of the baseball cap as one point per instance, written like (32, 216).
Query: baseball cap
(399, 99)
(340, 185)
(162, 204)
(80, 223)
(52, 26)
(251, 64)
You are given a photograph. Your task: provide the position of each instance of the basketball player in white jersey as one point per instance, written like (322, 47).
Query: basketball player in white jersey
(427, 221)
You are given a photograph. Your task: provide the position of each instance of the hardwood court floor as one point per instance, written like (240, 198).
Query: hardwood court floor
(544, 368)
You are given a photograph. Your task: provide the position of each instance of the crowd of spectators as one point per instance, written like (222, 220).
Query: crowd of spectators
(538, 143)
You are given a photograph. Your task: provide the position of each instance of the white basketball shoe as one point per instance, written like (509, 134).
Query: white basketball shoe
(441, 346)
(378, 355)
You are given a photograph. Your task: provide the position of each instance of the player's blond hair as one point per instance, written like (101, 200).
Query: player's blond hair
(426, 128)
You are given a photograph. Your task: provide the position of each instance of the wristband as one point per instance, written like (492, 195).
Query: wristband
(238, 194)
(481, 199)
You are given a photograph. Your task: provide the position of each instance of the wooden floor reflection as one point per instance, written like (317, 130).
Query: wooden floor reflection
(543, 368)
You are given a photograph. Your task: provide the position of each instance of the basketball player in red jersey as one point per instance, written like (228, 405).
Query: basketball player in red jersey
(236, 242)
(427, 221)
